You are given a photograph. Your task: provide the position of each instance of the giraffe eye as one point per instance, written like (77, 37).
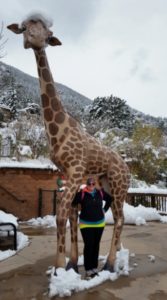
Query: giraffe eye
(23, 27)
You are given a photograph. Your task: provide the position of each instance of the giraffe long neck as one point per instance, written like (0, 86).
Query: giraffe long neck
(49, 94)
(53, 111)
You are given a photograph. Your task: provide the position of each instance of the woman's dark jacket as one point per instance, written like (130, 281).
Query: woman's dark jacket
(92, 210)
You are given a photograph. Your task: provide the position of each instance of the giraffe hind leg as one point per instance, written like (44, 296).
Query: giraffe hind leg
(72, 263)
(115, 243)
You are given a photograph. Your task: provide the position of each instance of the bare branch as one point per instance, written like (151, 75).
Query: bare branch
(2, 41)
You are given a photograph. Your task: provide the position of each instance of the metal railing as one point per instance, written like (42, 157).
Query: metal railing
(11, 230)
(158, 201)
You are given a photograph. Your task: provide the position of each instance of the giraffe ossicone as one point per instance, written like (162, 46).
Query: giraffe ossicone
(72, 149)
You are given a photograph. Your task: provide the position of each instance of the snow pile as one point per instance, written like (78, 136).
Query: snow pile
(47, 221)
(67, 282)
(8, 218)
(38, 15)
(136, 215)
(133, 215)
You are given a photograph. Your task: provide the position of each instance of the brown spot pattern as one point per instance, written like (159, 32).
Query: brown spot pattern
(71, 145)
(53, 128)
(45, 100)
(60, 117)
(55, 105)
(66, 129)
(62, 139)
(56, 148)
(50, 90)
(48, 114)
(53, 141)
(72, 122)
(42, 61)
(46, 75)
(64, 155)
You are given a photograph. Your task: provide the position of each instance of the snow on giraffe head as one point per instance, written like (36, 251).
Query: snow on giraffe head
(36, 32)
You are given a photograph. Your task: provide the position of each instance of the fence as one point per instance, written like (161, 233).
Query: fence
(158, 201)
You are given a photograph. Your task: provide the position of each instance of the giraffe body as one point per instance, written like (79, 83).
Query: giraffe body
(73, 150)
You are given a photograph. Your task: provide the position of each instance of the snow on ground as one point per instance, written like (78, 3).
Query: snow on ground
(8, 218)
(133, 215)
(67, 282)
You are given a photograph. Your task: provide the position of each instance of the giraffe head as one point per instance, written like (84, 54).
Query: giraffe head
(36, 32)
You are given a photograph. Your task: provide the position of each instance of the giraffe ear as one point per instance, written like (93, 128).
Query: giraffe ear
(53, 41)
(15, 28)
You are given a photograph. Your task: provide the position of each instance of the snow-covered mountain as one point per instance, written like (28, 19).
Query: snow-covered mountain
(20, 89)
(25, 88)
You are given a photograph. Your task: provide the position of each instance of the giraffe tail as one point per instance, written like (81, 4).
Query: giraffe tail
(103, 181)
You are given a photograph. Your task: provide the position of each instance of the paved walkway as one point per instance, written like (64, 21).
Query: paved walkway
(23, 275)
(41, 245)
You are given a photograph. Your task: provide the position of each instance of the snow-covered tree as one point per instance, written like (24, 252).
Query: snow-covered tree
(10, 97)
(111, 112)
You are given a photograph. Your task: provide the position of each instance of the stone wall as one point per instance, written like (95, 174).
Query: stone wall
(19, 191)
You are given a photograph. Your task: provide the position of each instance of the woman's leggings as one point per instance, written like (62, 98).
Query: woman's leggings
(91, 238)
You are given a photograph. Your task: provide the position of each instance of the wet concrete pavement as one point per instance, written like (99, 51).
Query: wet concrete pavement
(23, 276)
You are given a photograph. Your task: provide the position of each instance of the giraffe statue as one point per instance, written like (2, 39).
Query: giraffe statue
(72, 149)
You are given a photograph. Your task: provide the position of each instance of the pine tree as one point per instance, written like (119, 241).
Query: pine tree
(113, 112)
(10, 98)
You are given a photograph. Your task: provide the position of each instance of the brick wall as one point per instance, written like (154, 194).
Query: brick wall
(19, 191)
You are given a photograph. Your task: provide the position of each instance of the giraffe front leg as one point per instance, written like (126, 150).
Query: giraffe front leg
(61, 236)
(74, 240)
(61, 221)
(63, 214)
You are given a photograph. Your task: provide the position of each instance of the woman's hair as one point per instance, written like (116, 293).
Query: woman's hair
(90, 181)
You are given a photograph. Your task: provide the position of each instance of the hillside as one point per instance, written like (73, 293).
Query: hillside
(26, 90)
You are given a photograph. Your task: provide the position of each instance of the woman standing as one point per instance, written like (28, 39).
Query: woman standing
(92, 223)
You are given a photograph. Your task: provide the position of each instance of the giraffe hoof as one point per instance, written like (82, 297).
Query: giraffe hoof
(73, 266)
(55, 273)
(108, 267)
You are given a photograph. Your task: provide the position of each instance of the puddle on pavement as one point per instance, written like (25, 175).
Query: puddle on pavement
(158, 295)
(37, 231)
(139, 235)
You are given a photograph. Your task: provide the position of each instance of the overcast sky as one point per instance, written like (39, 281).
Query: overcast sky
(116, 47)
